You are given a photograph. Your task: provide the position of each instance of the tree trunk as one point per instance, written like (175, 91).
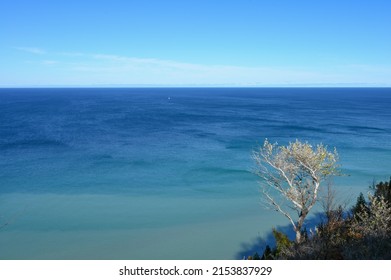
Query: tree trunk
(299, 225)
(298, 235)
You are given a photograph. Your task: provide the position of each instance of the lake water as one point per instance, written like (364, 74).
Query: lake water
(166, 173)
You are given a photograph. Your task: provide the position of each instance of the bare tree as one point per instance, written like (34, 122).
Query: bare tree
(295, 172)
(330, 201)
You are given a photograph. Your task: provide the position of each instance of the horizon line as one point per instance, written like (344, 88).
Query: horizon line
(189, 86)
(331, 85)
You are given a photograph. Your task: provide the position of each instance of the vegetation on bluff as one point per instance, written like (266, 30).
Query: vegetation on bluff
(362, 232)
(296, 174)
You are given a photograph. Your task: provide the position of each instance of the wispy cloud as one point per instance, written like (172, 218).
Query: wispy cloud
(101, 69)
(153, 70)
(31, 50)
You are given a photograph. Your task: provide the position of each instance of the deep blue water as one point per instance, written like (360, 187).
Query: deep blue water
(126, 140)
(177, 145)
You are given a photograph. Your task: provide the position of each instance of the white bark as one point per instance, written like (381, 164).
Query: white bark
(296, 172)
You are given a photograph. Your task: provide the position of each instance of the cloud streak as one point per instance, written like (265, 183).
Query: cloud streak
(152, 70)
(31, 50)
(76, 68)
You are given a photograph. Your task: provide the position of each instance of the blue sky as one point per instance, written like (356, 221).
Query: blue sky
(195, 43)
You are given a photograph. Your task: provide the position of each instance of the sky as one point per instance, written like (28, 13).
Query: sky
(46, 43)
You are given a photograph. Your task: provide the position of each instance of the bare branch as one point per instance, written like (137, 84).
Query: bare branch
(278, 208)
(295, 172)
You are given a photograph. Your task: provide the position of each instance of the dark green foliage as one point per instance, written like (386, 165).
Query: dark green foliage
(360, 206)
(267, 254)
(256, 257)
(384, 190)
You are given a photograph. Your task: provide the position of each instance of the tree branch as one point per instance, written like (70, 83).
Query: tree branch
(279, 209)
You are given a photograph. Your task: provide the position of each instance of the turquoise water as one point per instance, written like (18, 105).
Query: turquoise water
(165, 173)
